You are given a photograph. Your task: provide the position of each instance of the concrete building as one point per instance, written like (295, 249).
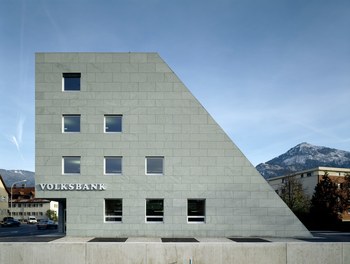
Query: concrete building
(127, 150)
(4, 198)
(310, 178)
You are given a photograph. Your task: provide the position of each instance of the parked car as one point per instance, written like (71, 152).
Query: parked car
(47, 224)
(10, 223)
(7, 218)
(32, 220)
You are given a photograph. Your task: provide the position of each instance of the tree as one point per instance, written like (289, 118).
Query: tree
(345, 192)
(292, 193)
(51, 214)
(326, 203)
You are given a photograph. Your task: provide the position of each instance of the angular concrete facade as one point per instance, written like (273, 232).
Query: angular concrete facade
(160, 117)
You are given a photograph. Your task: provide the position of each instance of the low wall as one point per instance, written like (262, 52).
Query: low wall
(170, 253)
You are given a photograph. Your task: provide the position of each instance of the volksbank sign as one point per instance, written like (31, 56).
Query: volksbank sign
(72, 186)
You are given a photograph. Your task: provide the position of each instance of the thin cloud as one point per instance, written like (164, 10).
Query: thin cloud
(17, 139)
(13, 140)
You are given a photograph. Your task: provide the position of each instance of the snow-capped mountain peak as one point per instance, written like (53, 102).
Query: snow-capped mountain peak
(304, 156)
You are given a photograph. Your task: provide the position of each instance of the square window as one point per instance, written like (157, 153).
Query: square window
(113, 165)
(113, 123)
(154, 210)
(71, 81)
(155, 165)
(196, 210)
(71, 123)
(113, 210)
(71, 165)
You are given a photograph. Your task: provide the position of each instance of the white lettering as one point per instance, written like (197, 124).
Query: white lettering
(72, 186)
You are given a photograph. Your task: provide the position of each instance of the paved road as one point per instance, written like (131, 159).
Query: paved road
(25, 232)
(330, 236)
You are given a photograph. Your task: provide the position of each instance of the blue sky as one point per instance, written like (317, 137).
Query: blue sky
(272, 73)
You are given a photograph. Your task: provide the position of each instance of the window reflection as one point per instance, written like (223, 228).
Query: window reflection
(154, 165)
(71, 123)
(71, 165)
(113, 123)
(113, 165)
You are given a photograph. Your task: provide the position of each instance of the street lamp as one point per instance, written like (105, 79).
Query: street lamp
(13, 184)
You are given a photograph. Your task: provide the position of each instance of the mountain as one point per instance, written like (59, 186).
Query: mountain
(302, 157)
(11, 176)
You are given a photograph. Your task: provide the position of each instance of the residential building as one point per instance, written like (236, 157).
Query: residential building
(127, 150)
(4, 198)
(310, 178)
(25, 204)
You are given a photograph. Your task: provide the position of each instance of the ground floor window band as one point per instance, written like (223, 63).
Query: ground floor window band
(154, 210)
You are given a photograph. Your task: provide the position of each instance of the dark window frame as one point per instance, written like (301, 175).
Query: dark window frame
(196, 215)
(154, 215)
(117, 217)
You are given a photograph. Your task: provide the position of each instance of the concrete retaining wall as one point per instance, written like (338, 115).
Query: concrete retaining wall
(179, 253)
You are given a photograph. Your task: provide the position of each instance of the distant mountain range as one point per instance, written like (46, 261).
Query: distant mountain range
(11, 176)
(302, 157)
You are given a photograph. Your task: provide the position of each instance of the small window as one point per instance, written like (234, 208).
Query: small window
(71, 123)
(113, 210)
(71, 81)
(196, 211)
(71, 165)
(113, 123)
(154, 210)
(113, 165)
(155, 165)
